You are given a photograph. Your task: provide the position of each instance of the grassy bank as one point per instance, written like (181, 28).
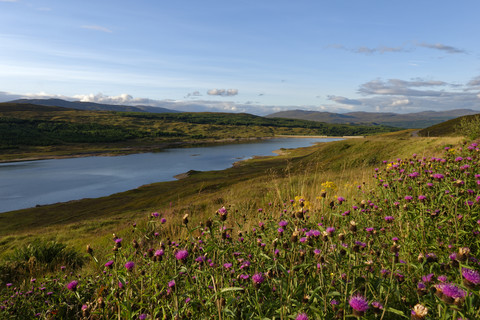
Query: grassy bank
(296, 172)
(378, 228)
(33, 132)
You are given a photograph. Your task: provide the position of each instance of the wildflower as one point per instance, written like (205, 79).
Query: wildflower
(185, 219)
(330, 231)
(428, 277)
(155, 214)
(471, 278)
(181, 255)
(389, 218)
(227, 265)
(340, 200)
(257, 279)
(408, 198)
(109, 264)
(163, 220)
(450, 293)
(283, 223)
(359, 305)
(377, 307)
(419, 312)
(72, 286)
(129, 265)
(302, 316)
(438, 176)
(223, 213)
(171, 284)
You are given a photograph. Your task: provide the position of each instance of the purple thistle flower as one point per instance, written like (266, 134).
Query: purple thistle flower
(258, 279)
(129, 265)
(181, 255)
(389, 218)
(451, 290)
(283, 223)
(438, 176)
(340, 200)
(244, 276)
(408, 198)
(428, 277)
(359, 304)
(109, 264)
(163, 220)
(227, 265)
(330, 230)
(159, 253)
(171, 284)
(302, 316)
(471, 277)
(72, 286)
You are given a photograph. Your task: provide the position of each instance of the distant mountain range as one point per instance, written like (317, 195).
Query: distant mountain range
(92, 106)
(408, 120)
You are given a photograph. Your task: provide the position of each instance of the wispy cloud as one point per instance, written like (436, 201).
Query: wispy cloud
(97, 28)
(400, 87)
(193, 94)
(442, 47)
(408, 47)
(343, 100)
(369, 50)
(222, 92)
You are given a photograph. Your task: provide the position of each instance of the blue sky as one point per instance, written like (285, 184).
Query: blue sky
(244, 56)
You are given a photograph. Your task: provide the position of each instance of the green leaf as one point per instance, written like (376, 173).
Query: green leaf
(400, 313)
(231, 289)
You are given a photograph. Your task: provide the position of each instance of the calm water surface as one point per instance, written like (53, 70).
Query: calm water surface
(26, 184)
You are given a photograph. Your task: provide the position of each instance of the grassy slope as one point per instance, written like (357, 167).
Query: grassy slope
(446, 128)
(245, 186)
(28, 131)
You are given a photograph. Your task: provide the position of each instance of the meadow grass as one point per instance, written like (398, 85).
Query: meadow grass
(381, 228)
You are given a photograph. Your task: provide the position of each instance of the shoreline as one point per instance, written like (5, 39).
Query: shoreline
(160, 147)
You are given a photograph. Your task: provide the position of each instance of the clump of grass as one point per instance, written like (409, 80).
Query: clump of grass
(404, 246)
(39, 257)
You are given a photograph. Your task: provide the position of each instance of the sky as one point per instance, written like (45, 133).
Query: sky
(249, 56)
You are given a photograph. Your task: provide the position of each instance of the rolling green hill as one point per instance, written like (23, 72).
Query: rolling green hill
(27, 129)
(408, 120)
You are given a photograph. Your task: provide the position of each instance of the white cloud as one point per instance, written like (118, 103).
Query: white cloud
(97, 28)
(343, 100)
(222, 92)
(400, 102)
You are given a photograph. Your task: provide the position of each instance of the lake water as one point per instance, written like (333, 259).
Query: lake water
(26, 184)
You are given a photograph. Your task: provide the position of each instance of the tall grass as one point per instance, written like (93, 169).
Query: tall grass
(402, 243)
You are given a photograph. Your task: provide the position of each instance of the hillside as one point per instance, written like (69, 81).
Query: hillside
(359, 220)
(31, 130)
(91, 105)
(466, 125)
(408, 120)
